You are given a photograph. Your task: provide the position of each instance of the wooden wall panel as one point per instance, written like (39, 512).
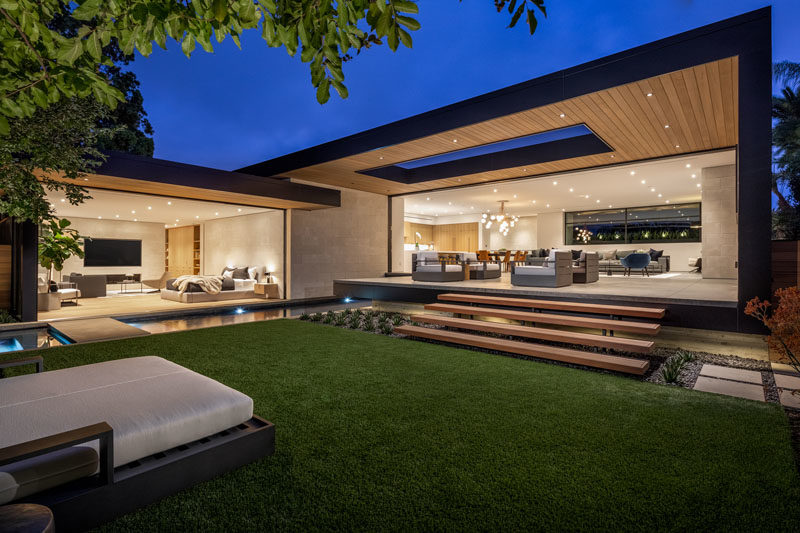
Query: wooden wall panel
(5, 276)
(410, 230)
(785, 264)
(456, 237)
(180, 250)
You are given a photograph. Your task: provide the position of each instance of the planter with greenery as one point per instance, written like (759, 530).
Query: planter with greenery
(57, 243)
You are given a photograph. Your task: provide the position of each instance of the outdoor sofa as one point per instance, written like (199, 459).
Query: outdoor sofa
(611, 261)
(556, 271)
(97, 441)
(428, 266)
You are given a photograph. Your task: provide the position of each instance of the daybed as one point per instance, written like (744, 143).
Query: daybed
(427, 266)
(237, 282)
(480, 269)
(94, 442)
(555, 272)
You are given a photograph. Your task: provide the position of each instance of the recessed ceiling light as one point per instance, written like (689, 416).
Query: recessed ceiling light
(533, 201)
(239, 210)
(694, 175)
(571, 189)
(472, 207)
(455, 141)
(494, 190)
(99, 217)
(548, 205)
(166, 225)
(666, 126)
(449, 203)
(428, 198)
(555, 183)
(659, 195)
(563, 209)
(63, 200)
(136, 220)
(216, 214)
(597, 201)
(652, 189)
(688, 165)
(667, 201)
(177, 220)
(698, 185)
(174, 224)
(649, 94)
(610, 206)
(644, 181)
(611, 156)
(381, 157)
(562, 115)
(85, 179)
(633, 172)
(116, 216)
(133, 211)
(149, 207)
(515, 196)
(524, 169)
(169, 203)
(197, 216)
(677, 146)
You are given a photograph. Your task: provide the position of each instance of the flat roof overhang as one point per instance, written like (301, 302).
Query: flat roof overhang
(147, 175)
(693, 78)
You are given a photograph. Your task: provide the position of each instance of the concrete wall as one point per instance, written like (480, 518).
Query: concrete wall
(342, 242)
(248, 240)
(151, 234)
(720, 226)
(398, 219)
(523, 236)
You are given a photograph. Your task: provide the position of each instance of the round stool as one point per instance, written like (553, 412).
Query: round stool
(26, 518)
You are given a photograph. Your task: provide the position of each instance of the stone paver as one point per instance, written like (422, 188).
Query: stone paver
(737, 374)
(787, 382)
(730, 388)
(790, 400)
(786, 369)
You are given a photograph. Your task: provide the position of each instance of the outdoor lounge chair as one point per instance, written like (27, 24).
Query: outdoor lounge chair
(427, 266)
(480, 269)
(97, 441)
(555, 272)
(587, 268)
(159, 283)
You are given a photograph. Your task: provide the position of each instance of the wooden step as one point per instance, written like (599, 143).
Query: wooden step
(565, 355)
(576, 307)
(546, 334)
(644, 328)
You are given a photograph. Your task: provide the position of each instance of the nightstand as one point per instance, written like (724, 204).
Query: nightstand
(267, 290)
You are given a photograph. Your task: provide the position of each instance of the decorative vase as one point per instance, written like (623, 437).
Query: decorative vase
(53, 286)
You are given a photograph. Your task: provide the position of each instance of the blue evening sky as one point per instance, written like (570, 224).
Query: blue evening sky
(233, 108)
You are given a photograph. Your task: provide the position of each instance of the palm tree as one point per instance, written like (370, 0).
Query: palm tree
(786, 142)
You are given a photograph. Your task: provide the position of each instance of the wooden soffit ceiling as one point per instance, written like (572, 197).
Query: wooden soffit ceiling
(689, 110)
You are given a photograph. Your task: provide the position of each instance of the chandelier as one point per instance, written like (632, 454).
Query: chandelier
(504, 221)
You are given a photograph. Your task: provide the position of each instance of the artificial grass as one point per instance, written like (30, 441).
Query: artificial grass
(374, 432)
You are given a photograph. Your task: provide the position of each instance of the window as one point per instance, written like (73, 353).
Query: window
(663, 223)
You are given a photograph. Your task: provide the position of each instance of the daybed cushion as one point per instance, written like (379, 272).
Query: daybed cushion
(438, 268)
(152, 405)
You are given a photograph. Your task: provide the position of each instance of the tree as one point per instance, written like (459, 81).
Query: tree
(786, 142)
(39, 66)
(783, 322)
(57, 243)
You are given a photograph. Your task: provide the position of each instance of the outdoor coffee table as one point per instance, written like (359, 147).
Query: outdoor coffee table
(126, 282)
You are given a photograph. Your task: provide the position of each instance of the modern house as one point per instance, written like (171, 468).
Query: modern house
(666, 146)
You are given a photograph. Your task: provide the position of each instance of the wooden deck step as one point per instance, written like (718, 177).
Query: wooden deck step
(644, 328)
(577, 307)
(565, 355)
(546, 334)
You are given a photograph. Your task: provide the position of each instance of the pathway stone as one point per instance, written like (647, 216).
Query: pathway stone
(787, 382)
(790, 400)
(730, 388)
(783, 368)
(736, 374)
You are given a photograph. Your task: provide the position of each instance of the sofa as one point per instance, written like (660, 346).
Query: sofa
(427, 266)
(96, 441)
(556, 271)
(610, 261)
(90, 285)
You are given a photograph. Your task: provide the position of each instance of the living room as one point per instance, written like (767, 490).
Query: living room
(134, 244)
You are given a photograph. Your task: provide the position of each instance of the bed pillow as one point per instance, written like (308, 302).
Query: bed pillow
(240, 273)
(227, 273)
(252, 273)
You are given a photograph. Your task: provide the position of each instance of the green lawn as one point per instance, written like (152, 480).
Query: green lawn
(380, 433)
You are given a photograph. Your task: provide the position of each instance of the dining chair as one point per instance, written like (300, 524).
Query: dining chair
(507, 259)
(483, 255)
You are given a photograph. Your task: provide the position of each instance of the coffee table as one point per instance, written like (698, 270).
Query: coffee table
(127, 282)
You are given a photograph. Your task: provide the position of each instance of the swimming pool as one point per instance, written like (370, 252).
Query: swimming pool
(30, 339)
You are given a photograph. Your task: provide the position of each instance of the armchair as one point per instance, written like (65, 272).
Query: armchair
(587, 268)
(428, 266)
(555, 272)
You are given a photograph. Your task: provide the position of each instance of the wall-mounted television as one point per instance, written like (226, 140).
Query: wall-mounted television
(112, 253)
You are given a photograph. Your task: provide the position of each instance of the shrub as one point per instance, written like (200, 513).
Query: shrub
(328, 317)
(387, 328)
(671, 370)
(6, 317)
(398, 320)
(305, 316)
(340, 319)
(369, 325)
(316, 317)
(783, 322)
(354, 322)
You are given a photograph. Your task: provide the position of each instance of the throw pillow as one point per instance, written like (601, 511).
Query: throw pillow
(623, 253)
(252, 273)
(240, 273)
(608, 256)
(576, 254)
(226, 273)
(655, 254)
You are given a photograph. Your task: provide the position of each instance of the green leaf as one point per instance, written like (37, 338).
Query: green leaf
(408, 22)
(403, 6)
(70, 51)
(340, 88)
(405, 38)
(517, 15)
(5, 129)
(93, 46)
(87, 10)
(188, 45)
(532, 22)
(220, 8)
(323, 91)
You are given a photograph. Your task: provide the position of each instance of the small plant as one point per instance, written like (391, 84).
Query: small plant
(316, 317)
(340, 319)
(369, 325)
(328, 317)
(398, 320)
(685, 356)
(387, 328)
(354, 322)
(358, 312)
(347, 312)
(671, 370)
(783, 322)
(305, 316)
(6, 317)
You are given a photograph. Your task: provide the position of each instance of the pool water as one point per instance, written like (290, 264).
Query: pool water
(29, 339)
